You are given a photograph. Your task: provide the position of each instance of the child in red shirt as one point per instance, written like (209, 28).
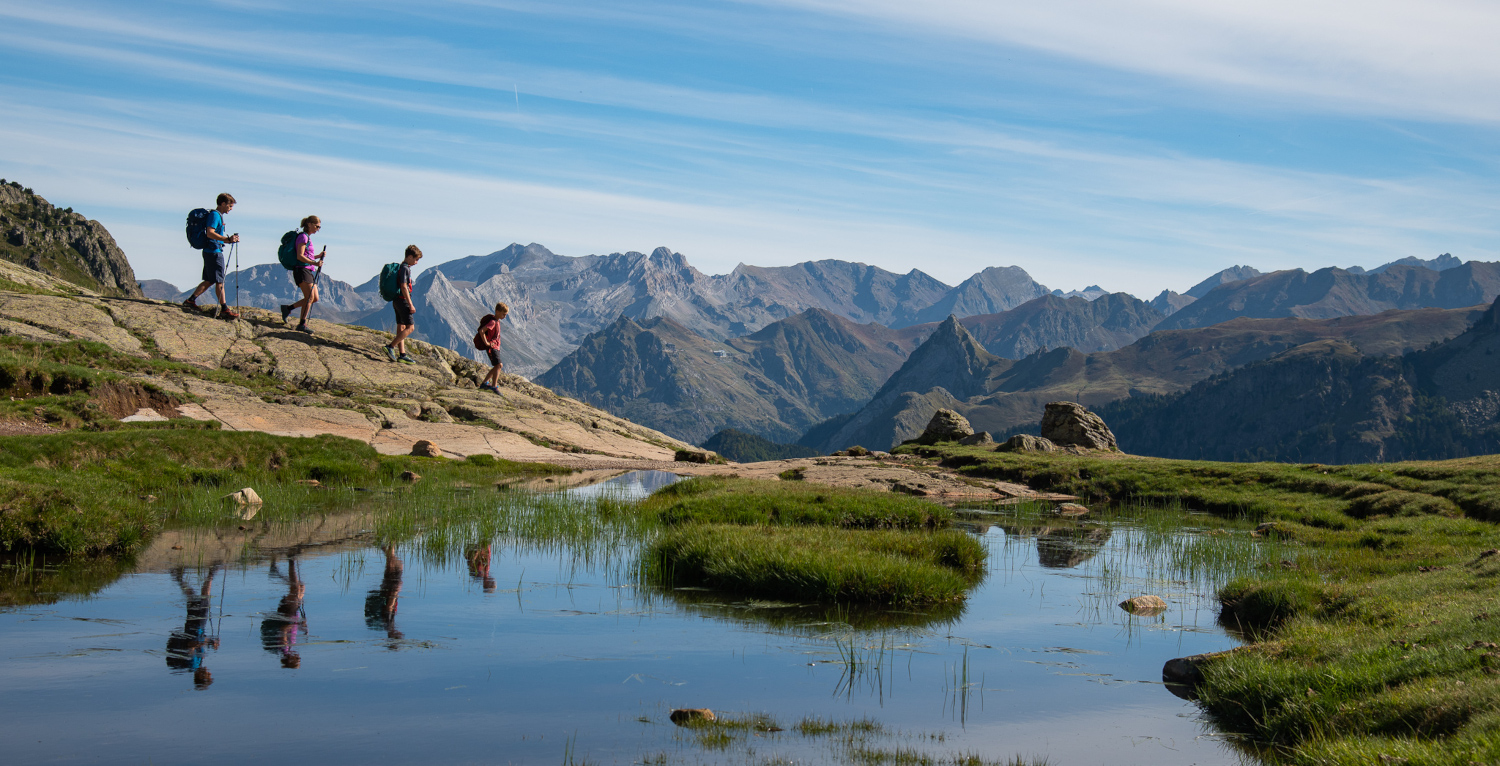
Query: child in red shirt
(488, 341)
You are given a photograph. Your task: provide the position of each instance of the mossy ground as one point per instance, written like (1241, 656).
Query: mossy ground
(89, 493)
(1377, 647)
(805, 542)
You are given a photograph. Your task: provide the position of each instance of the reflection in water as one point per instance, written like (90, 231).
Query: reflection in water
(279, 631)
(808, 619)
(380, 605)
(478, 557)
(1067, 547)
(188, 648)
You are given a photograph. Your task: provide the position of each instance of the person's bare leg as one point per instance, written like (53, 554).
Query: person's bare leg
(403, 331)
(199, 291)
(309, 297)
(494, 377)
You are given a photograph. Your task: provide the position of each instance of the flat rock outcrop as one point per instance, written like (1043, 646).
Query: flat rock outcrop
(336, 381)
(1069, 424)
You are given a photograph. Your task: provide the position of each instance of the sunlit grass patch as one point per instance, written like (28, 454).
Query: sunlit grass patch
(819, 563)
(748, 501)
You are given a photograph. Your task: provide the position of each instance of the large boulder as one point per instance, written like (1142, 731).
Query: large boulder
(1070, 424)
(945, 426)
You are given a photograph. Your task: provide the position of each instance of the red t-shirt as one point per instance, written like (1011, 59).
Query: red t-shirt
(491, 330)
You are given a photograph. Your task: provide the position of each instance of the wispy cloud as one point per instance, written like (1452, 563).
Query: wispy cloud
(408, 129)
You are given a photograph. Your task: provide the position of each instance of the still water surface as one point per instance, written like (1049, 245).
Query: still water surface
(350, 653)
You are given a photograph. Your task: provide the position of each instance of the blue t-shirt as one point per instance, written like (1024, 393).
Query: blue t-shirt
(215, 222)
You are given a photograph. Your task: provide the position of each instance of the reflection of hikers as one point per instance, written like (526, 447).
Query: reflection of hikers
(380, 605)
(278, 633)
(188, 648)
(304, 267)
(479, 566)
(395, 286)
(488, 341)
(210, 239)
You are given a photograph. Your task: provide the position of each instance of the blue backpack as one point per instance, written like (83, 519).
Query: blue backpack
(197, 225)
(390, 285)
(287, 253)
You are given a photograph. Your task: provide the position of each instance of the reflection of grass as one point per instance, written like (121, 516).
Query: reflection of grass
(858, 741)
(820, 563)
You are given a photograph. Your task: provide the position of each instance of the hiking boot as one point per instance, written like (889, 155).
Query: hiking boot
(489, 387)
(390, 352)
(191, 304)
(406, 359)
(304, 328)
(286, 311)
(229, 315)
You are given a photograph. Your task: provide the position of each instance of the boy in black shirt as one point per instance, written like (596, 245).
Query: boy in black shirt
(405, 325)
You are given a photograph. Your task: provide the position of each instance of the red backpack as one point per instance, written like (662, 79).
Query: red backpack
(481, 340)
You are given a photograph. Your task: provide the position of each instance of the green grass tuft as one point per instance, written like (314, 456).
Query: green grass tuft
(747, 501)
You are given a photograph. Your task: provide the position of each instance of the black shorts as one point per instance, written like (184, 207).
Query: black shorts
(494, 355)
(213, 267)
(403, 314)
(304, 276)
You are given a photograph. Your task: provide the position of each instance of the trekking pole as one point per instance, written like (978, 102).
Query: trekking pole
(236, 247)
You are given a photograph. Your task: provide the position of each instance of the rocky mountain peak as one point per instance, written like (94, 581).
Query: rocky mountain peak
(61, 243)
(1231, 274)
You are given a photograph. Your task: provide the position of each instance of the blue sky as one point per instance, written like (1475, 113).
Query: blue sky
(1136, 144)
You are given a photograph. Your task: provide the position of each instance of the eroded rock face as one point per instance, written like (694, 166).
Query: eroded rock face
(1027, 443)
(946, 426)
(1069, 424)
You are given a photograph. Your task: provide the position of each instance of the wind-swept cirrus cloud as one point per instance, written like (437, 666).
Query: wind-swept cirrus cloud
(1428, 59)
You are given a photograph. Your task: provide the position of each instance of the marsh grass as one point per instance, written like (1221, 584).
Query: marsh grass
(82, 493)
(723, 500)
(1369, 593)
(819, 563)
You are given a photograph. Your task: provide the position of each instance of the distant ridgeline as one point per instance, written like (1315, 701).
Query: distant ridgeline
(1327, 402)
(61, 243)
(749, 448)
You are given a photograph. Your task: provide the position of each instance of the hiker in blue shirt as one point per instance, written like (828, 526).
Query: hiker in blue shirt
(213, 257)
(405, 325)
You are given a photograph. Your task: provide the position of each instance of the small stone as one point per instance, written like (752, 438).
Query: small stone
(425, 448)
(684, 716)
(977, 439)
(1071, 510)
(1144, 605)
(309, 482)
(244, 497)
(177, 547)
(694, 456)
(411, 477)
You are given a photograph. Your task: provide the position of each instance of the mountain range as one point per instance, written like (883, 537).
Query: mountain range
(953, 370)
(1330, 401)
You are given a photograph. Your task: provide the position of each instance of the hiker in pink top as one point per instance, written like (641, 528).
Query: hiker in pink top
(488, 341)
(306, 273)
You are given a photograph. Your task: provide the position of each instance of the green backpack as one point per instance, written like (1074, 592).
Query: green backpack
(390, 285)
(287, 253)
